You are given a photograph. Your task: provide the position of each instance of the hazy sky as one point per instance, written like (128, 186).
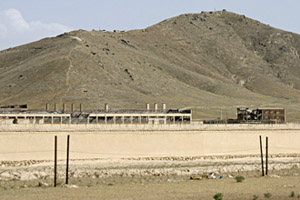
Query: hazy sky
(23, 21)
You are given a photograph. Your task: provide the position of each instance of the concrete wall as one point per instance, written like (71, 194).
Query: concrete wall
(142, 127)
(119, 144)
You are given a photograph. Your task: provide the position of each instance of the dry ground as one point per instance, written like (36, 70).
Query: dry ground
(280, 188)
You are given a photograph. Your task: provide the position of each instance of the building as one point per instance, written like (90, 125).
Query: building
(105, 116)
(261, 115)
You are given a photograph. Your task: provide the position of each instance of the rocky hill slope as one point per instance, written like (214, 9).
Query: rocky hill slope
(208, 61)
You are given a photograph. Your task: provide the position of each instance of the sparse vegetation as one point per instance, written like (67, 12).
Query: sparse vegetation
(292, 195)
(239, 179)
(267, 195)
(255, 197)
(218, 196)
(213, 78)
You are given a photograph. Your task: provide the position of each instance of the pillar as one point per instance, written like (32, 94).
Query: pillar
(97, 119)
(51, 119)
(122, 119)
(88, 120)
(140, 119)
(105, 119)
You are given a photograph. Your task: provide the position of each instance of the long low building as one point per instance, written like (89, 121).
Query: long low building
(106, 116)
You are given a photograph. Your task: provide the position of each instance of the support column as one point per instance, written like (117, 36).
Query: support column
(105, 119)
(70, 120)
(182, 119)
(140, 119)
(114, 119)
(60, 120)
(88, 120)
(131, 121)
(51, 119)
(97, 119)
(174, 118)
(122, 119)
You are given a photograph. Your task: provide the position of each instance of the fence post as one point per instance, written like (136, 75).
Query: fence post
(67, 164)
(267, 156)
(261, 156)
(55, 161)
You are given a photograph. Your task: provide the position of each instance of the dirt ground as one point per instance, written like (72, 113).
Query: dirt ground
(152, 178)
(279, 188)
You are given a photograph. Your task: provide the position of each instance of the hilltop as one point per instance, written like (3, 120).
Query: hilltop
(210, 61)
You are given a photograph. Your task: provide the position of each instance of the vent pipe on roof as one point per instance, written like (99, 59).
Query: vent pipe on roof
(81, 107)
(47, 106)
(155, 107)
(147, 106)
(106, 107)
(164, 107)
(64, 107)
(72, 107)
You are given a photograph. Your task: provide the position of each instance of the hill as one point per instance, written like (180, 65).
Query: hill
(210, 61)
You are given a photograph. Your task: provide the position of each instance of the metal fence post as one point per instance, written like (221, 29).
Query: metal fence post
(261, 156)
(55, 161)
(67, 162)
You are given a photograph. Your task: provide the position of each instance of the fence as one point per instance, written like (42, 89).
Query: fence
(140, 157)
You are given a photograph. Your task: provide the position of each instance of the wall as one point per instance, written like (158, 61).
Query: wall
(118, 144)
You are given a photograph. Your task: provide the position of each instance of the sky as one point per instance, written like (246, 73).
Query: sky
(24, 21)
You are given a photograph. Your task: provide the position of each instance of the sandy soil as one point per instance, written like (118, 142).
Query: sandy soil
(279, 188)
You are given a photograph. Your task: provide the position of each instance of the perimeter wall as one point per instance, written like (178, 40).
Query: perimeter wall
(21, 143)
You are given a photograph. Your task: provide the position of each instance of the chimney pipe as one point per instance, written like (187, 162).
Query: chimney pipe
(64, 107)
(164, 107)
(155, 107)
(106, 107)
(148, 106)
(81, 107)
(72, 107)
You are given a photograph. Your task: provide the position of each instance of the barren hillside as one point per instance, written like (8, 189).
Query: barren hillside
(210, 61)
